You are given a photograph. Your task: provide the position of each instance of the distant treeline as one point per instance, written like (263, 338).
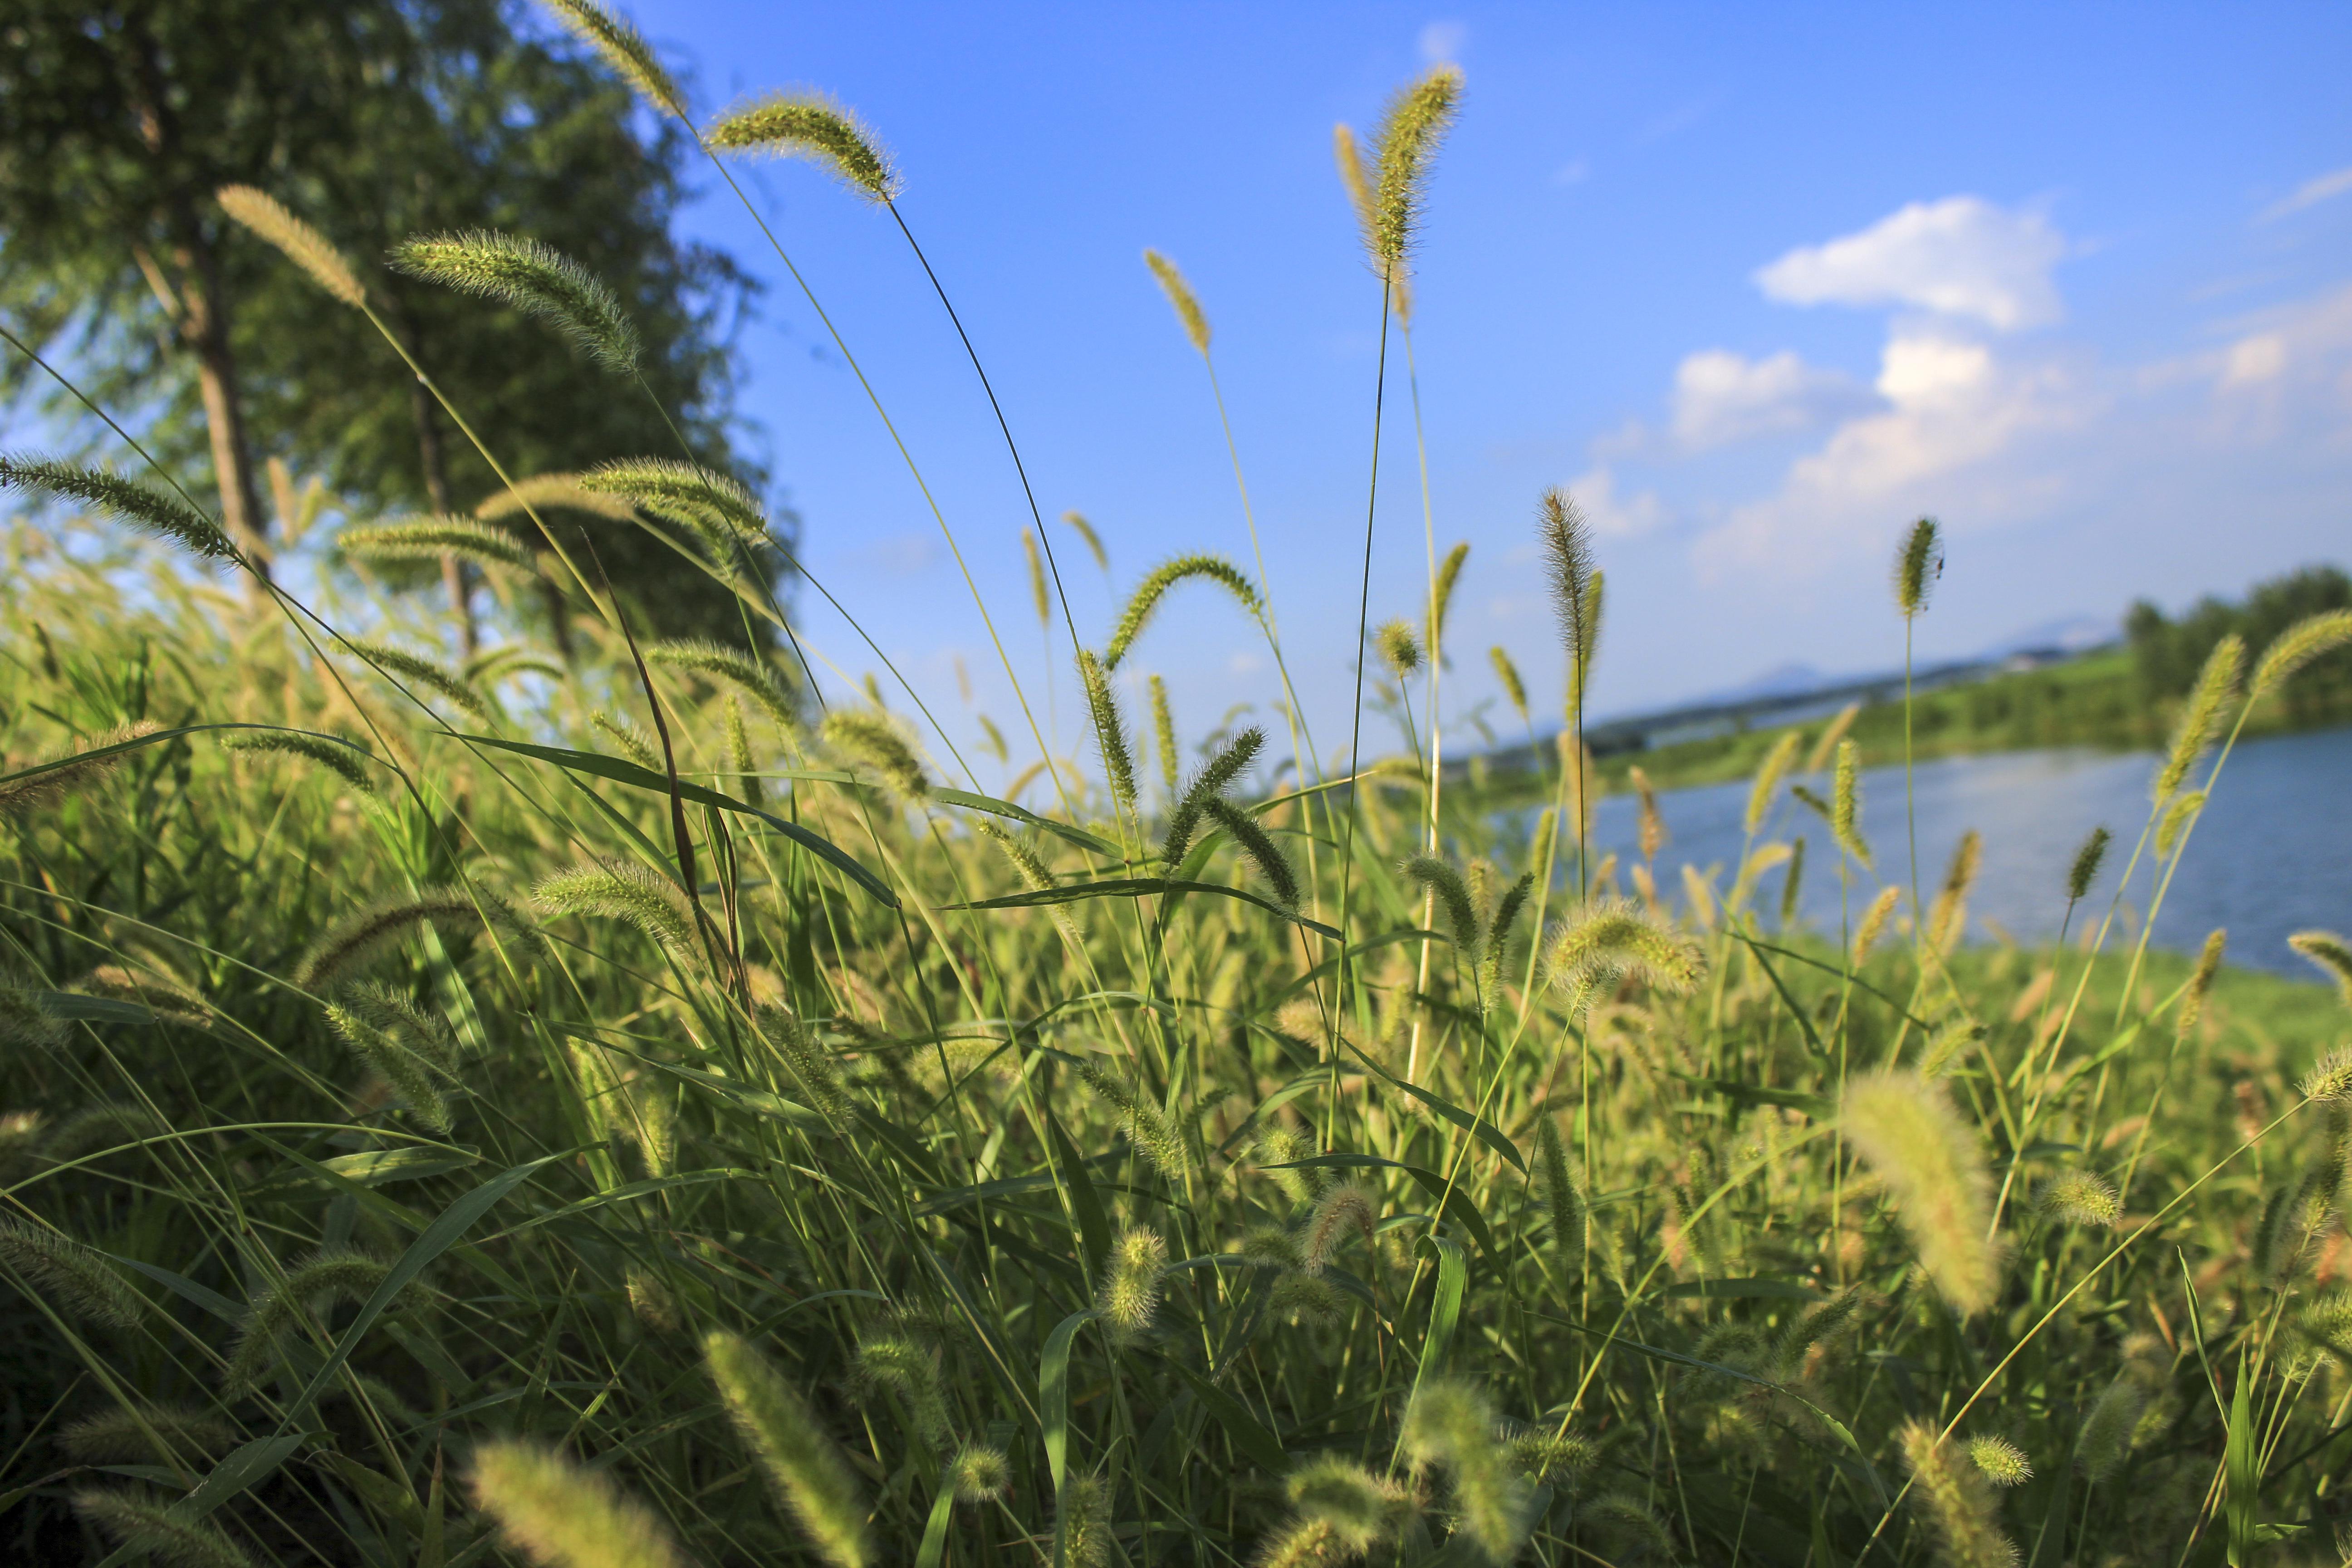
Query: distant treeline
(2166, 654)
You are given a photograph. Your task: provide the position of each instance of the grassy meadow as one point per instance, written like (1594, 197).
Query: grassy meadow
(598, 1105)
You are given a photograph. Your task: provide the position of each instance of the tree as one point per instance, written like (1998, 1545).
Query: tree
(419, 116)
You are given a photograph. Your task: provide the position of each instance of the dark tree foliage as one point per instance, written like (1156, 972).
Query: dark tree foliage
(373, 121)
(2166, 654)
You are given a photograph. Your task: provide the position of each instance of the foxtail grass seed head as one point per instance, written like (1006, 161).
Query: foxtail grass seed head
(410, 1075)
(1461, 912)
(1831, 735)
(2000, 1461)
(1950, 912)
(1651, 830)
(76, 1278)
(1845, 805)
(2200, 983)
(1214, 780)
(811, 126)
(1450, 1426)
(124, 500)
(1441, 599)
(1568, 565)
(2331, 1080)
(623, 890)
(1180, 294)
(632, 742)
(1257, 847)
(808, 1472)
(1933, 1165)
(2333, 955)
(351, 940)
(1792, 884)
(1360, 1507)
(540, 282)
(625, 50)
(724, 665)
(69, 775)
(1041, 592)
(1150, 1131)
(2081, 1197)
(2200, 715)
(719, 508)
(560, 1514)
(1163, 734)
(171, 1536)
(2178, 818)
(1609, 941)
(1083, 1520)
(27, 1020)
(1086, 530)
(1144, 603)
(1279, 1147)
(2084, 869)
(305, 246)
(871, 739)
(1563, 1195)
(412, 670)
(911, 1370)
(1957, 1499)
(1129, 1297)
(1917, 565)
(1346, 1210)
(2105, 1441)
(1354, 178)
(981, 1474)
(1109, 727)
(337, 1275)
(2297, 646)
(1398, 649)
(1515, 689)
(431, 539)
(553, 492)
(1776, 766)
(152, 1434)
(1410, 130)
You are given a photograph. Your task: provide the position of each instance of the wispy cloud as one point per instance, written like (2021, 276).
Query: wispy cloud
(1721, 397)
(1959, 257)
(1442, 43)
(2310, 193)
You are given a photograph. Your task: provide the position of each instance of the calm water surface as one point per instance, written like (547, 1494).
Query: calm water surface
(2273, 855)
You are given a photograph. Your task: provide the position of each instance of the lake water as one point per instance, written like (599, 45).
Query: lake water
(2273, 855)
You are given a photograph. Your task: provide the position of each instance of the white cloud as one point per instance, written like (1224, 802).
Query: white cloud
(2310, 193)
(1959, 257)
(1721, 396)
(1610, 514)
(2258, 358)
(1952, 408)
(1575, 171)
(1442, 43)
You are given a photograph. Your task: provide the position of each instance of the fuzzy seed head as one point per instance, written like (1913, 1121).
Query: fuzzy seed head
(1777, 764)
(1146, 1128)
(1845, 804)
(1257, 847)
(1411, 129)
(69, 775)
(351, 940)
(305, 246)
(1144, 603)
(982, 1473)
(1917, 565)
(2106, 1439)
(154, 1434)
(76, 1277)
(165, 1535)
(561, 1515)
(1563, 1195)
(2331, 1079)
(1933, 1164)
(1083, 1522)
(2200, 983)
(1129, 1297)
(1109, 729)
(2002, 1462)
(625, 50)
(1398, 649)
(2082, 1197)
(1507, 673)
(724, 665)
(122, 500)
(1358, 1508)
(2297, 646)
(812, 126)
(540, 282)
(553, 492)
(623, 890)
(332, 1276)
(431, 539)
(1086, 530)
(412, 670)
(1180, 294)
(717, 507)
(1609, 941)
(874, 740)
(1958, 1502)
(803, 1465)
(1346, 1210)
(1441, 598)
(2332, 953)
(2200, 715)
(2084, 869)
(1451, 1426)
(1567, 540)
(1163, 734)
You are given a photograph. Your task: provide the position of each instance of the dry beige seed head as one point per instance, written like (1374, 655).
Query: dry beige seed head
(1905, 1130)
(2331, 953)
(1873, 923)
(305, 246)
(1959, 1500)
(1180, 294)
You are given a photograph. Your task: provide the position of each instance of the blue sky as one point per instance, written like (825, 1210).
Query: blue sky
(1761, 284)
